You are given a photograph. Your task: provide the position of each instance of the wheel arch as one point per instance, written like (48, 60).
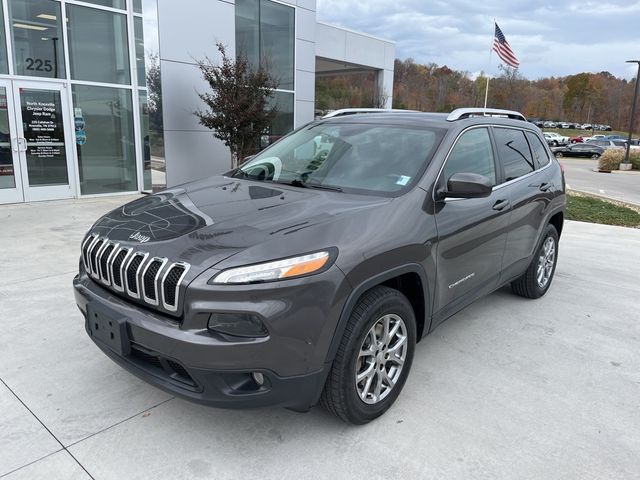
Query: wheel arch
(400, 278)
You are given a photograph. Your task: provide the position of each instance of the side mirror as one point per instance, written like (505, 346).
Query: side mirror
(467, 185)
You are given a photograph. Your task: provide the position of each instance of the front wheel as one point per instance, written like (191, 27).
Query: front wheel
(374, 357)
(535, 282)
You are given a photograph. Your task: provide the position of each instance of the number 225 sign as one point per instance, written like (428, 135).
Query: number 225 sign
(38, 65)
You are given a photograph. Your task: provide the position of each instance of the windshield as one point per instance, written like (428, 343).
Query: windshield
(351, 157)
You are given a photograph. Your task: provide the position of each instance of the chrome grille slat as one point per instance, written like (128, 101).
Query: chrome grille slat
(94, 257)
(155, 281)
(173, 293)
(132, 270)
(152, 296)
(103, 262)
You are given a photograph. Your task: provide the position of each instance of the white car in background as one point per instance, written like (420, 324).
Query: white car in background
(554, 139)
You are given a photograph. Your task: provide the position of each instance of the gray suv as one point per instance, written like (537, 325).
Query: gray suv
(309, 274)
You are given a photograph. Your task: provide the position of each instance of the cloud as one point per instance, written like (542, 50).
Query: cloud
(550, 38)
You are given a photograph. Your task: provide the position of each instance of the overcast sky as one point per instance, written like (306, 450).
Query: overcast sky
(550, 38)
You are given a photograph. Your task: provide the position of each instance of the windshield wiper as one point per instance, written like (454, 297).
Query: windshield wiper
(299, 183)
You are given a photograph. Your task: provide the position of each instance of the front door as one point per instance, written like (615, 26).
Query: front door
(472, 232)
(34, 123)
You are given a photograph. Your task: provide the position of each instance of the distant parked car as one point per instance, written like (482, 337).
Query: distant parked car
(607, 144)
(586, 126)
(615, 137)
(577, 139)
(554, 139)
(564, 125)
(578, 150)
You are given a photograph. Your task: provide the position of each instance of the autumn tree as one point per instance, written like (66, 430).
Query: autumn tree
(238, 106)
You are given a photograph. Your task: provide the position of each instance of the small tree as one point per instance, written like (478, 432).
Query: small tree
(238, 109)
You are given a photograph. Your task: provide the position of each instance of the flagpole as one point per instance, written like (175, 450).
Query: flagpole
(486, 92)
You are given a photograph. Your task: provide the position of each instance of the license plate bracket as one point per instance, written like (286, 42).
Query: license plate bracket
(108, 329)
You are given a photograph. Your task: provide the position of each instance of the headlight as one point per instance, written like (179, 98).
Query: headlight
(277, 270)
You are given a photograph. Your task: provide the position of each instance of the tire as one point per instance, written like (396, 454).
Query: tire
(529, 285)
(595, 156)
(555, 143)
(343, 394)
(559, 154)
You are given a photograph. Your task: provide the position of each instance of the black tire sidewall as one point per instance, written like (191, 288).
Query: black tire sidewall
(358, 411)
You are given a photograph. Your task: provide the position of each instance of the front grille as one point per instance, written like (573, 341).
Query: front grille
(154, 281)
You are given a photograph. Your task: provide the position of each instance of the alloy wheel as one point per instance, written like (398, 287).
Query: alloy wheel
(381, 358)
(546, 262)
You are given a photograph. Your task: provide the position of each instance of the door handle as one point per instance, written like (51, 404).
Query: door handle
(501, 205)
(545, 186)
(22, 144)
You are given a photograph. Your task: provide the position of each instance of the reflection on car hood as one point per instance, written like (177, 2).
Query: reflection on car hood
(207, 221)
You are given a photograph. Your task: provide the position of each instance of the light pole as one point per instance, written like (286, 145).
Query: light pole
(633, 112)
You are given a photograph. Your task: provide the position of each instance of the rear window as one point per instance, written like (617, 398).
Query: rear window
(514, 152)
(539, 151)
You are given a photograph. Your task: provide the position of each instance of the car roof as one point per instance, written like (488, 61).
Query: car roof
(433, 119)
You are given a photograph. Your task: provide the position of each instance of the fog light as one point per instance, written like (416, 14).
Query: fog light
(258, 378)
(237, 324)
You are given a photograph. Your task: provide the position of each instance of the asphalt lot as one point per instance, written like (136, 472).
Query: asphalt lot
(508, 388)
(580, 176)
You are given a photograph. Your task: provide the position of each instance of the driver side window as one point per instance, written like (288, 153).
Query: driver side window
(472, 153)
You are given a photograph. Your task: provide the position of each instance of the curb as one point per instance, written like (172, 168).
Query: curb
(631, 205)
(618, 172)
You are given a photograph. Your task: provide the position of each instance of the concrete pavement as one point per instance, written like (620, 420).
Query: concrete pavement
(508, 388)
(624, 187)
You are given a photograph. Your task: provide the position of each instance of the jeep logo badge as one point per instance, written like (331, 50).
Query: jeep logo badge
(139, 237)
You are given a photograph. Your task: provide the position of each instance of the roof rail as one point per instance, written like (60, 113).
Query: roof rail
(353, 111)
(460, 113)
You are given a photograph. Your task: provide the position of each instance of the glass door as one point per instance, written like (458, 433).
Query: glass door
(10, 177)
(43, 137)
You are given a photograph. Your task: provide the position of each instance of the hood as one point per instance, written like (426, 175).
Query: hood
(206, 221)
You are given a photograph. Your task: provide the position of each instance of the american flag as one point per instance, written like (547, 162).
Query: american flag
(502, 48)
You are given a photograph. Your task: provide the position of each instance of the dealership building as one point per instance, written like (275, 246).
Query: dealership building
(97, 96)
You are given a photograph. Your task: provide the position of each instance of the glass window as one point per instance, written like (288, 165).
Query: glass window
(356, 158)
(539, 151)
(137, 6)
(276, 41)
(43, 130)
(138, 33)
(514, 152)
(283, 122)
(106, 151)
(37, 38)
(248, 29)
(4, 64)
(109, 3)
(265, 33)
(7, 174)
(146, 140)
(98, 49)
(472, 153)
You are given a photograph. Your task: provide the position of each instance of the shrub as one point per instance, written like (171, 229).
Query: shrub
(610, 160)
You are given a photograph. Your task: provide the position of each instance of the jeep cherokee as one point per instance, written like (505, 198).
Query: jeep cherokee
(309, 273)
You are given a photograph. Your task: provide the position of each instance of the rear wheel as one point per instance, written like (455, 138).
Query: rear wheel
(535, 282)
(559, 154)
(595, 155)
(374, 357)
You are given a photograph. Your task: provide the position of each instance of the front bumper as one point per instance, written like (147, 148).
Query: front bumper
(185, 359)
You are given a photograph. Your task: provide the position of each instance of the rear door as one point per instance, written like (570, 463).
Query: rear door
(529, 186)
(471, 232)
